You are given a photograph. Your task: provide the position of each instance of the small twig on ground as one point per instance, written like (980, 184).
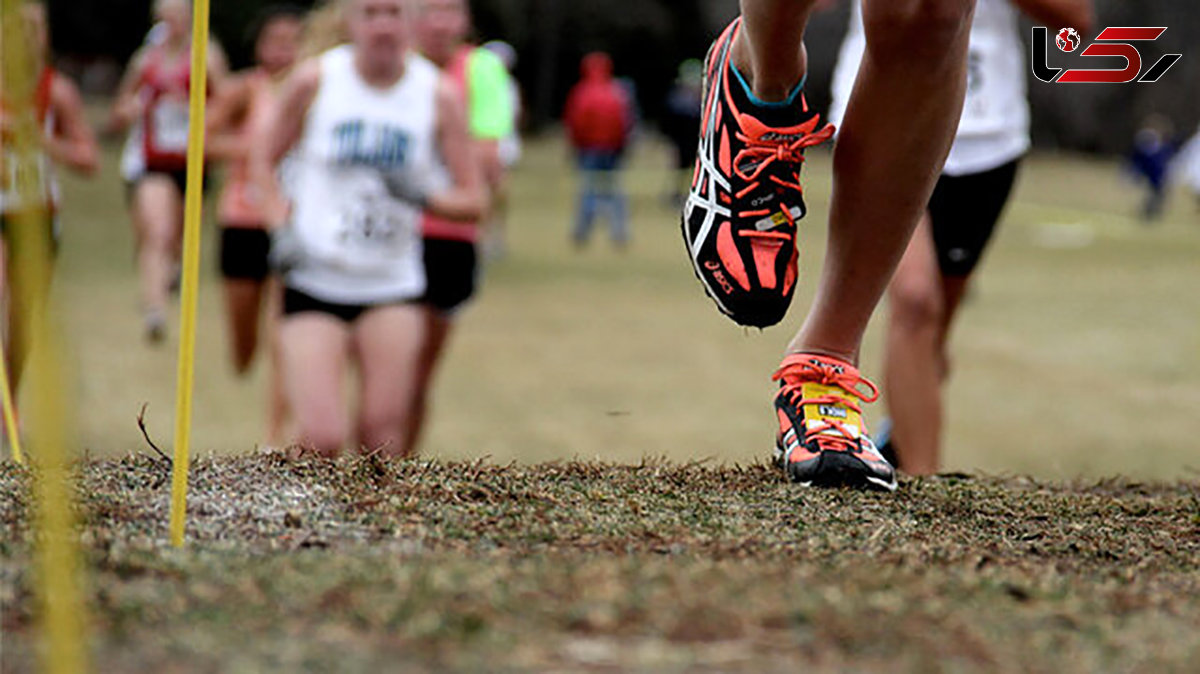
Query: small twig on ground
(141, 421)
(374, 453)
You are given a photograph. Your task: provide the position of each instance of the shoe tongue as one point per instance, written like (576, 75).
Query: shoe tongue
(828, 412)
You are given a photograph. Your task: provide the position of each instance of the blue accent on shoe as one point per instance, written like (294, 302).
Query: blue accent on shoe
(758, 102)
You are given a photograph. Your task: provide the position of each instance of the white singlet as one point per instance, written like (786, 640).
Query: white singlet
(994, 128)
(361, 245)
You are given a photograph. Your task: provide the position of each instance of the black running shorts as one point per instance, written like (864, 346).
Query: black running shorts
(298, 302)
(244, 253)
(450, 274)
(178, 178)
(964, 211)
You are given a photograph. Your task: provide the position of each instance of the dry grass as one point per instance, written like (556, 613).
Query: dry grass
(422, 566)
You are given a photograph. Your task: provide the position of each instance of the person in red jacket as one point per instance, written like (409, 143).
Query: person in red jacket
(599, 123)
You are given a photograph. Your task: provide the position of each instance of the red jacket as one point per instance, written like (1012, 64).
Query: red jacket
(598, 113)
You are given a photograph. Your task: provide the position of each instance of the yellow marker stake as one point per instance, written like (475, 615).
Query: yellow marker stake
(10, 415)
(61, 608)
(191, 271)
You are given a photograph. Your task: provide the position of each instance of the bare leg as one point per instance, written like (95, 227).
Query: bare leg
(916, 364)
(769, 50)
(277, 402)
(387, 341)
(913, 356)
(243, 301)
(897, 132)
(158, 205)
(437, 332)
(315, 349)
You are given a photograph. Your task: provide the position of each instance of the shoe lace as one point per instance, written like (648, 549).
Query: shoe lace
(796, 371)
(764, 153)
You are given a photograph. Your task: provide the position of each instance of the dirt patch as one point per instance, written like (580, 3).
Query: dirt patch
(363, 565)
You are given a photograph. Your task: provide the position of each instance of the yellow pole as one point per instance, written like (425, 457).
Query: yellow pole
(10, 415)
(191, 271)
(61, 614)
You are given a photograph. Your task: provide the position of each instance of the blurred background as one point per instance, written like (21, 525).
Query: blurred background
(1078, 352)
(649, 38)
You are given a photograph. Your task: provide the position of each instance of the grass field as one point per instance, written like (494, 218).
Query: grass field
(593, 495)
(1078, 354)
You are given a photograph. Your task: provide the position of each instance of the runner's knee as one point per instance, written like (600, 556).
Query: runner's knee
(916, 304)
(915, 29)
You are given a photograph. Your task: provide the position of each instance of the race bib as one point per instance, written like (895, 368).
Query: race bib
(169, 119)
(375, 232)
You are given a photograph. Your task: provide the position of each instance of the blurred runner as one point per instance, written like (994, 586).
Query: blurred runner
(967, 203)
(67, 140)
(378, 136)
(452, 248)
(1150, 161)
(237, 120)
(681, 124)
(600, 120)
(153, 100)
(509, 152)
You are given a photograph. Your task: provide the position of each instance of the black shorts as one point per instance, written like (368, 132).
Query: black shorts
(178, 177)
(450, 273)
(244, 252)
(298, 302)
(964, 211)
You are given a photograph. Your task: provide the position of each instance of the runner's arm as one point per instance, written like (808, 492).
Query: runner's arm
(127, 106)
(281, 130)
(218, 69)
(1077, 14)
(490, 116)
(71, 142)
(222, 140)
(467, 198)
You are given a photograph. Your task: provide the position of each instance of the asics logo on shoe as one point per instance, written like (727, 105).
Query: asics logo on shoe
(782, 137)
(839, 369)
(762, 200)
(719, 277)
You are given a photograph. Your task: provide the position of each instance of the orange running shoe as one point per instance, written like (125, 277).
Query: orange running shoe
(822, 439)
(739, 221)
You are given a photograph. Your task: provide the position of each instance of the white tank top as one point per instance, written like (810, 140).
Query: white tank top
(361, 246)
(994, 128)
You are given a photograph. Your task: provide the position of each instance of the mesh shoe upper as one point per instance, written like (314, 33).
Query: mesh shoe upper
(822, 437)
(739, 221)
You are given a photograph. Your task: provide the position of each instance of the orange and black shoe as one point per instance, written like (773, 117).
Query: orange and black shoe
(822, 440)
(739, 221)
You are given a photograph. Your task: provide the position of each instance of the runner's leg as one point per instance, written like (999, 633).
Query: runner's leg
(387, 342)
(913, 354)
(314, 350)
(898, 128)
